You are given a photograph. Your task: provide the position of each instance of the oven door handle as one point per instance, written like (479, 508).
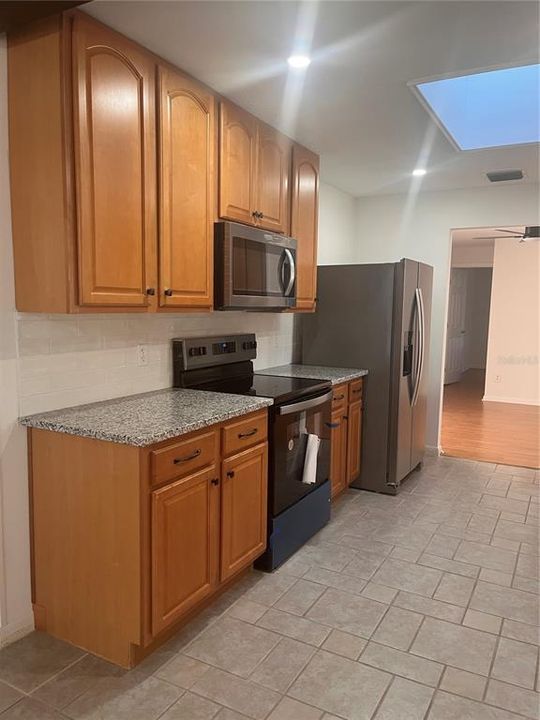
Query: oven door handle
(304, 404)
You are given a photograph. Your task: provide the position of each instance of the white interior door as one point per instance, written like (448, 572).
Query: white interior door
(455, 328)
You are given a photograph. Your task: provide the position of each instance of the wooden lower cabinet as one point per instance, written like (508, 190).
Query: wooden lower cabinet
(346, 444)
(243, 509)
(185, 545)
(123, 552)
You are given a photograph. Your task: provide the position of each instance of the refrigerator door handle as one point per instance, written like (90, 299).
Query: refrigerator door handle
(421, 344)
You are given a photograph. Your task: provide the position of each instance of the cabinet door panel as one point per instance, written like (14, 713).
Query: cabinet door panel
(115, 158)
(304, 224)
(238, 142)
(273, 167)
(185, 551)
(186, 191)
(243, 509)
(338, 449)
(354, 440)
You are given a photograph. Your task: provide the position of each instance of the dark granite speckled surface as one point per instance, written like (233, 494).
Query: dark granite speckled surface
(318, 372)
(147, 418)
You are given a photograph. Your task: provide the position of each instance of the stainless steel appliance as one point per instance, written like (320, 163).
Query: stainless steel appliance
(254, 269)
(378, 317)
(302, 407)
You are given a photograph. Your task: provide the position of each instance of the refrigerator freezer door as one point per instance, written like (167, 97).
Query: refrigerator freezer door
(418, 439)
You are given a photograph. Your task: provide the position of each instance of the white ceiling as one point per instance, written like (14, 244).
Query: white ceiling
(480, 237)
(354, 106)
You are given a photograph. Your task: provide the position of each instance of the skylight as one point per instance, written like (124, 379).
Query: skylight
(487, 109)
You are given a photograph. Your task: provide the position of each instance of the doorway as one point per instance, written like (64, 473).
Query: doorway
(492, 314)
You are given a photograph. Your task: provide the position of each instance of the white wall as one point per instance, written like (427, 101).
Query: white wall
(337, 227)
(464, 256)
(390, 227)
(477, 316)
(514, 332)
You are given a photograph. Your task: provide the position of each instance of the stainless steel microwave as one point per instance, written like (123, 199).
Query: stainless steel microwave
(254, 269)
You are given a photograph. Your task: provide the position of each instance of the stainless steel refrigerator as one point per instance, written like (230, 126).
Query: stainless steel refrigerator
(377, 317)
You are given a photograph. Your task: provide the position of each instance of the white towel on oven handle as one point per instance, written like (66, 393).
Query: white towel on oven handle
(309, 476)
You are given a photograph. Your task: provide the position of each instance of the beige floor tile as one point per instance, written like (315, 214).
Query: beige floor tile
(182, 671)
(446, 706)
(406, 576)
(237, 694)
(401, 663)
(516, 699)
(300, 597)
(505, 602)
(350, 613)
(486, 556)
(482, 621)
(295, 566)
(381, 593)
(451, 566)
(367, 545)
(530, 585)
(354, 692)
(30, 709)
(521, 631)
(455, 645)
(515, 662)
(295, 627)
(405, 700)
(363, 565)
(337, 580)
(455, 590)
(414, 538)
(289, 709)
(247, 610)
(427, 606)
(442, 546)
(327, 555)
(504, 504)
(398, 628)
(283, 664)
(517, 532)
(34, 659)
(270, 588)
(8, 696)
(463, 683)
(527, 566)
(192, 707)
(345, 644)
(406, 554)
(233, 645)
(496, 577)
(227, 714)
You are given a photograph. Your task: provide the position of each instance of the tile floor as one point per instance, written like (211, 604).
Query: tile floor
(420, 606)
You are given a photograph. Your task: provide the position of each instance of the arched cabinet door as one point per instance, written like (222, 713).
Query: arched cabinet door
(273, 169)
(186, 166)
(304, 223)
(238, 158)
(114, 143)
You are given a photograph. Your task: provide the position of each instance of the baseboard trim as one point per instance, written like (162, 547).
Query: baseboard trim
(510, 400)
(12, 632)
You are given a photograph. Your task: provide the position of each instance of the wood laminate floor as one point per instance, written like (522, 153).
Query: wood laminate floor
(493, 432)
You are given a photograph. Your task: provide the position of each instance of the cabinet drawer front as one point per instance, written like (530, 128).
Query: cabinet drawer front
(356, 390)
(340, 396)
(184, 457)
(246, 432)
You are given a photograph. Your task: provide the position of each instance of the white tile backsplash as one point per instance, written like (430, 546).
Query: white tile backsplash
(66, 360)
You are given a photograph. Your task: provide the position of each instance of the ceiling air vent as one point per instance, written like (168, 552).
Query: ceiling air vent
(504, 175)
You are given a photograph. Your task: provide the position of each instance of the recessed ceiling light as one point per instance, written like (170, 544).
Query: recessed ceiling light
(418, 172)
(299, 62)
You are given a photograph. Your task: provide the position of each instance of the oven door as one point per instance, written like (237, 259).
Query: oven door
(254, 269)
(291, 424)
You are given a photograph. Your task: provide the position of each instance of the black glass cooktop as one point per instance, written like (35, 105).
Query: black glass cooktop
(280, 389)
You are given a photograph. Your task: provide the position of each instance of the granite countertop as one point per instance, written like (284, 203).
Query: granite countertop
(147, 418)
(318, 372)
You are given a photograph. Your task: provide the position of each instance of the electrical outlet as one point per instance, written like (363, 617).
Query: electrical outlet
(498, 378)
(142, 355)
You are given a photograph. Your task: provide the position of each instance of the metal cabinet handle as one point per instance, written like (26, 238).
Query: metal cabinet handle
(192, 456)
(150, 291)
(168, 292)
(215, 481)
(333, 426)
(249, 433)
(230, 473)
(339, 397)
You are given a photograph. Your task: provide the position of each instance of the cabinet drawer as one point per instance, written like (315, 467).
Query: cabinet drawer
(356, 390)
(244, 433)
(184, 456)
(339, 397)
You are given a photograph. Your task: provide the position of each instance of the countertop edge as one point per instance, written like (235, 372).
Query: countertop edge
(303, 371)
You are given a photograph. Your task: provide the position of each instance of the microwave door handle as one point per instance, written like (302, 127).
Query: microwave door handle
(292, 277)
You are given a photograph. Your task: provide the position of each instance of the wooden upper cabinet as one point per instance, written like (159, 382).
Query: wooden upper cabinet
(185, 545)
(114, 142)
(304, 223)
(273, 168)
(186, 165)
(238, 158)
(243, 509)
